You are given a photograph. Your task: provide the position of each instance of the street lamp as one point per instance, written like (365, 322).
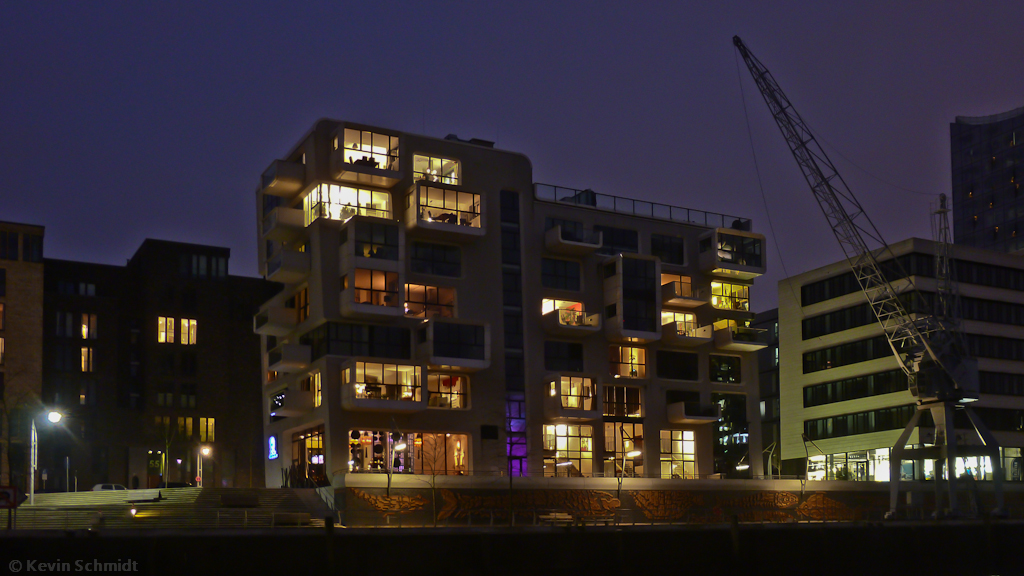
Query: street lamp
(635, 451)
(396, 444)
(203, 452)
(53, 417)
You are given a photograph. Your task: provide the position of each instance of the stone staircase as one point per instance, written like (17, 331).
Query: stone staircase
(169, 508)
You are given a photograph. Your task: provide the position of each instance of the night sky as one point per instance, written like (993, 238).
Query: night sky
(128, 120)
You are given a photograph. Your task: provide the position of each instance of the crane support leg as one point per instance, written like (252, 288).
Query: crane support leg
(896, 463)
(993, 454)
(945, 435)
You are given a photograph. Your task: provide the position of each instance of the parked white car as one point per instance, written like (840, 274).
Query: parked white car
(108, 487)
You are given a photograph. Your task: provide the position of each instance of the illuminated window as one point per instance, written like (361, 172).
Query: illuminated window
(165, 330)
(626, 362)
(185, 427)
(435, 169)
(727, 296)
(376, 287)
(188, 331)
(374, 381)
(86, 359)
(423, 301)
(308, 455)
(1, 351)
(683, 285)
(685, 323)
(576, 392)
(678, 454)
(370, 149)
(573, 448)
(617, 448)
(300, 301)
(623, 401)
(740, 250)
(88, 326)
(377, 240)
(449, 206)
(312, 383)
(447, 391)
(443, 453)
(724, 368)
(335, 202)
(206, 430)
(1, 315)
(569, 313)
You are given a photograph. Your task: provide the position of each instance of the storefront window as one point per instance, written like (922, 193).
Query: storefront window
(569, 450)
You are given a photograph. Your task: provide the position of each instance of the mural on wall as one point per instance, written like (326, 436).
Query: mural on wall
(579, 503)
(388, 505)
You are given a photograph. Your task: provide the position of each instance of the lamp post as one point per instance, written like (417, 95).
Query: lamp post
(53, 417)
(203, 452)
(395, 444)
(636, 451)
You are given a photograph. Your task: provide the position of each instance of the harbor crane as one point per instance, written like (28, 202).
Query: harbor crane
(929, 347)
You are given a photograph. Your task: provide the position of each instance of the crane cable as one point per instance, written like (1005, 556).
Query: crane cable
(760, 184)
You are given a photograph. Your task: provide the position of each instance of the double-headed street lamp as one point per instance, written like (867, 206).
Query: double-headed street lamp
(53, 417)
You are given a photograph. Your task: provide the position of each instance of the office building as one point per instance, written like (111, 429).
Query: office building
(21, 349)
(443, 314)
(149, 362)
(988, 165)
(842, 388)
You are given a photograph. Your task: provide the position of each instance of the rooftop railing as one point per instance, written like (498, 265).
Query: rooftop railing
(621, 205)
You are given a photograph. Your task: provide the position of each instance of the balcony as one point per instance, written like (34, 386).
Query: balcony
(572, 397)
(294, 403)
(683, 295)
(739, 339)
(274, 321)
(678, 414)
(283, 224)
(571, 322)
(283, 178)
(685, 334)
(456, 345)
(572, 243)
(361, 157)
(731, 253)
(444, 212)
(288, 266)
(288, 358)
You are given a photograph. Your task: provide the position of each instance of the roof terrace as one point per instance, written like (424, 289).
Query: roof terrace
(609, 203)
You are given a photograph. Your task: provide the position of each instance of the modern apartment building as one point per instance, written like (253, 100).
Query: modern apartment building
(988, 165)
(21, 350)
(842, 389)
(768, 379)
(442, 314)
(149, 362)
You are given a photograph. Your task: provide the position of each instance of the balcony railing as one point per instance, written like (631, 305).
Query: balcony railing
(621, 205)
(343, 212)
(403, 392)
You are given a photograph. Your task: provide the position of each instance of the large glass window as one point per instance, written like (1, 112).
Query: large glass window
(313, 383)
(639, 295)
(576, 392)
(434, 169)
(88, 324)
(678, 454)
(627, 362)
(560, 274)
(377, 240)
(740, 250)
(685, 322)
(724, 368)
(459, 341)
(365, 148)
(375, 381)
(678, 365)
(563, 356)
(449, 206)
(308, 456)
(623, 401)
(345, 339)
(620, 440)
(423, 453)
(683, 285)
(447, 391)
(438, 259)
(671, 249)
(375, 287)
(573, 448)
(422, 301)
(336, 202)
(617, 240)
(728, 296)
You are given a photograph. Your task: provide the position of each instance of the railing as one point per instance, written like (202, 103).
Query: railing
(326, 493)
(638, 207)
(580, 236)
(273, 357)
(343, 212)
(399, 392)
(686, 290)
(744, 334)
(261, 320)
(449, 216)
(274, 263)
(730, 303)
(579, 318)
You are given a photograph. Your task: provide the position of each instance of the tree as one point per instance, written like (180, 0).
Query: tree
(14, 400)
